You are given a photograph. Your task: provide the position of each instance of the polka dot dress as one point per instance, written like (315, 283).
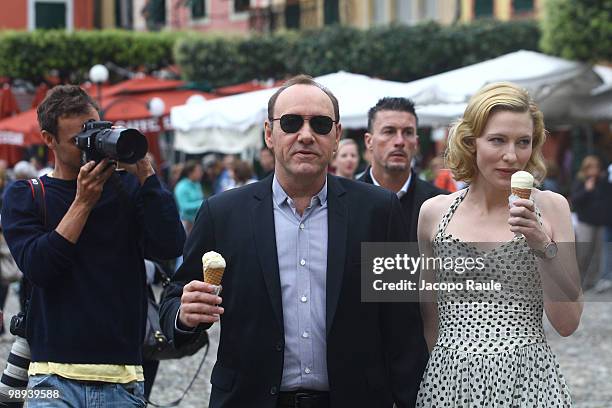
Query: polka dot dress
(491, 349)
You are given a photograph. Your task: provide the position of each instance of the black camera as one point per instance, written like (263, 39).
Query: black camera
(98, 140)
(18, 325)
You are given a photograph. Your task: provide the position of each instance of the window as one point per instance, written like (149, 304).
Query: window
(50, 15)
(483, 8)
(156, 14)
(522, 6)
(403, 11)
(241, 6)
(198, 9)
(292, 15)
(381, 14)
(430, 9)
(332, 12)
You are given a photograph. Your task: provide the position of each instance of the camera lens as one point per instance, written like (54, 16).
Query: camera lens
(15, 374)
(124, 145)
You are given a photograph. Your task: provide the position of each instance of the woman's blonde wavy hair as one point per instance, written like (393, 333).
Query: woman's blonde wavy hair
(460, 153)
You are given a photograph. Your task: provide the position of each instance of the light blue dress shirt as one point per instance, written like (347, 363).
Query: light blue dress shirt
(301, 244)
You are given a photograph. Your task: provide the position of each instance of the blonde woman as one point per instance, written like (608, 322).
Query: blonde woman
(346, 158)
(488, 347)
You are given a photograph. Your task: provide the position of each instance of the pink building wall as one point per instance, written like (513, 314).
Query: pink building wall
(220, 17)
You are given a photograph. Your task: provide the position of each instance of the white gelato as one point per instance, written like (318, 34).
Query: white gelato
(521, 179)
(212, 260)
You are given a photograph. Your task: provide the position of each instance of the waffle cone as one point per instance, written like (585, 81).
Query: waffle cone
(213, 275)
(522, 192)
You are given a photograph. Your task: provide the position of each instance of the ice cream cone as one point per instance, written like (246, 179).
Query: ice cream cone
(521, 184)
(522, 192)
(213, 275)
(214, 267)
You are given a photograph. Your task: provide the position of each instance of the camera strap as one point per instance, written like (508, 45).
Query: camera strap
(38, 194)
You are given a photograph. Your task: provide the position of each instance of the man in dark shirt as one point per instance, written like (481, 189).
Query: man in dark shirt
(85, 261)
(392, 140)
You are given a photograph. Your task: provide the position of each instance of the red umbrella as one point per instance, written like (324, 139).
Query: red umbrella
(8, 103)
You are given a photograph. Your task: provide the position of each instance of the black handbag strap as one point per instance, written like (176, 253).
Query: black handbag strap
(175, 403)
(165, 281)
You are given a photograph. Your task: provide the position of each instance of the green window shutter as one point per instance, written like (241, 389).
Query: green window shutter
(522, 6)
(198, 9)
(331, 12)
(483, 8)
(292, 15)
(241, 5)
(50, 15)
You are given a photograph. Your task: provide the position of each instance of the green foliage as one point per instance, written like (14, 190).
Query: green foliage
(33, 55)
(578, 29)
(401, 53)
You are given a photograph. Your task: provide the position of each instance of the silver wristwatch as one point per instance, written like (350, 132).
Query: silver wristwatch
(549, 252)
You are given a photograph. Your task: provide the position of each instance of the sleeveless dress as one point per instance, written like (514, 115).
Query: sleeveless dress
(491, 349)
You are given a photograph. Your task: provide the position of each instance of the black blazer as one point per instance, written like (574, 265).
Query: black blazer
(376, 353)
(418, 192)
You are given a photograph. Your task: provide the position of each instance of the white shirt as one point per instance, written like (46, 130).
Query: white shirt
(402, 190)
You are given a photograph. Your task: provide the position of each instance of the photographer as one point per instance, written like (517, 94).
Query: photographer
(87, 308)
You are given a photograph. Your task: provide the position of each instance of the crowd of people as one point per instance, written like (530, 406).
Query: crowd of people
(294, 328)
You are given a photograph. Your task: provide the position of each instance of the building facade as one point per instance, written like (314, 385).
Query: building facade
(272, 15)
(47, 14)
(369, 13)
(503, 10)
(210, 15)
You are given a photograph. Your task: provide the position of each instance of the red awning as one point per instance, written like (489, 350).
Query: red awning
(143, 84)
(20, 130)
(41, 92)
(128, 109)
(249, 86)
(8, 103)
(135, 106)
(16, 132)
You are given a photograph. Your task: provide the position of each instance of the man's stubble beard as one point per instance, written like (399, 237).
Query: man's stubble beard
(396, 167)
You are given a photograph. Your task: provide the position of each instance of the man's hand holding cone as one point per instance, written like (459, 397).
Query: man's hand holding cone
(200, 300)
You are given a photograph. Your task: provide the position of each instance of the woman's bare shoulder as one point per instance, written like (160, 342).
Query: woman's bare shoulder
(551, 202)
(439, 203)
(432, 210)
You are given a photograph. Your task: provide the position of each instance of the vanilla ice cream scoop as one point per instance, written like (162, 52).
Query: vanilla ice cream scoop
(521, 184)
(212, 260)
(521, 179)
(213, 265)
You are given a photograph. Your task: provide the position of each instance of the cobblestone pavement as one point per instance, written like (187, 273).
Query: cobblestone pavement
(585, 359)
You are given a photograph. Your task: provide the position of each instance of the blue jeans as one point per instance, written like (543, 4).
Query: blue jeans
(85, 394)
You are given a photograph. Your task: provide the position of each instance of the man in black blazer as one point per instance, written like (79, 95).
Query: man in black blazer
(392, 141)
(294, 331)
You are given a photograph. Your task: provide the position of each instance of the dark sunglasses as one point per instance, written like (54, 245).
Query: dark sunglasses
(320, 124)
